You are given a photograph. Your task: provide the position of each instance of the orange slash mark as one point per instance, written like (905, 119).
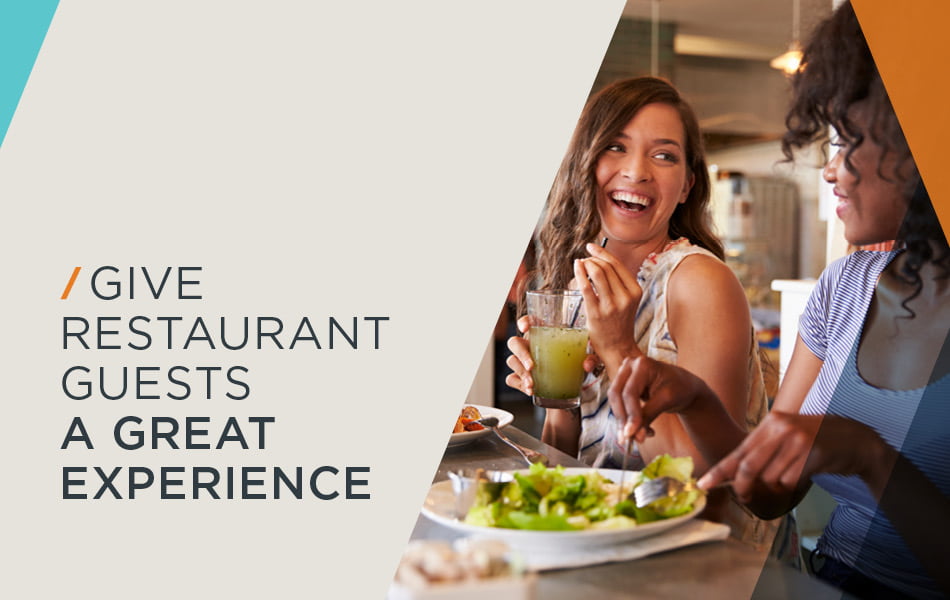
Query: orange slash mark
(69, 286)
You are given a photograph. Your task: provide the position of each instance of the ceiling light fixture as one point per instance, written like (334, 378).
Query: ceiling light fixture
(791, 60)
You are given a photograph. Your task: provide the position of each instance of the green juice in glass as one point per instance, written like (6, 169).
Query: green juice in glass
(558, 354)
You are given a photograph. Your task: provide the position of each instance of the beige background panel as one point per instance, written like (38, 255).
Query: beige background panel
(315, 159)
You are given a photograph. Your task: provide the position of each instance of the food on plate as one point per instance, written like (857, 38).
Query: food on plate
(428, 562)
(680, 469)
(549, 499)
(466, 420)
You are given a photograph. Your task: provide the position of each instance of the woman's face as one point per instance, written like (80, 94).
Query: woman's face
(642, 176)
(871, 206)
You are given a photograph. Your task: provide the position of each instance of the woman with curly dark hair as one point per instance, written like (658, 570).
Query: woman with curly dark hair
(864, 407)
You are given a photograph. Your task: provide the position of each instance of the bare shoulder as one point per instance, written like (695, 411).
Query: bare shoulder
(708, 309)
(703, 277)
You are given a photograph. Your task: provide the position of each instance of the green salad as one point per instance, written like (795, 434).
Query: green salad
(550, 499)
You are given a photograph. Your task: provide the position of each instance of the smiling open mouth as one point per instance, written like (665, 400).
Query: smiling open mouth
(629, 201)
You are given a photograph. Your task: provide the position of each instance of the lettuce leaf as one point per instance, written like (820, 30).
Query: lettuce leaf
(548, 499)
(680, 469)
(666, 466)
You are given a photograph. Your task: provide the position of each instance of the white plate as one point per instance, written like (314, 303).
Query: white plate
(440, 507)
(504, 418)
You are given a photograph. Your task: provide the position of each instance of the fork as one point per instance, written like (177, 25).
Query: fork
(651, 490)
(531, 456)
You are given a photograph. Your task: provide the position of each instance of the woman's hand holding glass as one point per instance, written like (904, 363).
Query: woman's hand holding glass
(611, 297)
(521, 363)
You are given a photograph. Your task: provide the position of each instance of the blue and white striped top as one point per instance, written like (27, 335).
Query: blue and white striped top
(915, 422)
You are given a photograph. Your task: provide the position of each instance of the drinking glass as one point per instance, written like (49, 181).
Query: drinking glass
(558, 340)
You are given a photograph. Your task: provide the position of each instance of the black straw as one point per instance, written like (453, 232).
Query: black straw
(577, 309)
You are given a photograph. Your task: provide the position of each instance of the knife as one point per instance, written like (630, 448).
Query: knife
(623, 468)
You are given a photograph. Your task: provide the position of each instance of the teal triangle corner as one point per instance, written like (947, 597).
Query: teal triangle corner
(23, 27)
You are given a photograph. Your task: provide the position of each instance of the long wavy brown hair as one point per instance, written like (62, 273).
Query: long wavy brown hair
(571, 219)
(837, 73)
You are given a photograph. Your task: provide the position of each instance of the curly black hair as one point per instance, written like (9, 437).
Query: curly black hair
(837, 72)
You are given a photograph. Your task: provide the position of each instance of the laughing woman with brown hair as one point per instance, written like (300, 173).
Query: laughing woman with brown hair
(635, 174)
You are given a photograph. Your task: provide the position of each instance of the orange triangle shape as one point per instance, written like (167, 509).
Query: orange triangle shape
(909, 44)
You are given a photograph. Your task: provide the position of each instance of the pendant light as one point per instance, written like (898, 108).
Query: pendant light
(655, 38)
(791, 60)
